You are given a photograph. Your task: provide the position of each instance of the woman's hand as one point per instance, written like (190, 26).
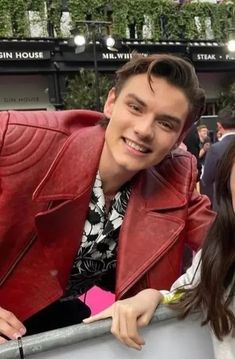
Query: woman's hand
(10, 326)
(129, 315)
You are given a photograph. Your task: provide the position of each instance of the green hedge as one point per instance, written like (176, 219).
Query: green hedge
(168, 20)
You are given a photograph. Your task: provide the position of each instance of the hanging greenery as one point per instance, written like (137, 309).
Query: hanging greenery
(162, 15)
(19, 20)
(166, 18)
(80, 10)
(81, 93)
(5, 19)
(54, 13)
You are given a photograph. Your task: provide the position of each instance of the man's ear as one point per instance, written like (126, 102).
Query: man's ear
(180, 139)
(108, 107)
(219, 126)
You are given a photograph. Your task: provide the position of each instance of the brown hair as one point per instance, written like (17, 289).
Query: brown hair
(214, 293)
(226, 118)
(200, 127)
(175, 70)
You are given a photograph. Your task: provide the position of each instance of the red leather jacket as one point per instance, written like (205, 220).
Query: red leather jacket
(48, 163)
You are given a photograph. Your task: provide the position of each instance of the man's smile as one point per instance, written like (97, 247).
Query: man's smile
(136, 146)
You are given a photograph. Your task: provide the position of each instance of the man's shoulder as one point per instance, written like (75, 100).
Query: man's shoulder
(181, 158)
(178, 158)
(33, 139)
(66, 121)
(170, 183)
(178, 168)
(216, 148)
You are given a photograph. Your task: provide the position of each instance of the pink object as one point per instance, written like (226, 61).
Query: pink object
(98, 299)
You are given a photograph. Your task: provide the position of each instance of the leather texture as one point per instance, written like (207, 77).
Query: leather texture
(48, 164)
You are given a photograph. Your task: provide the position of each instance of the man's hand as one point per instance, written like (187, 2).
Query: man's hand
(130, 314)
(206, 146)
(10, 326)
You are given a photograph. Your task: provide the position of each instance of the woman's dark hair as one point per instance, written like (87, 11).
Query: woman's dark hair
(213, 293)
(175, 70)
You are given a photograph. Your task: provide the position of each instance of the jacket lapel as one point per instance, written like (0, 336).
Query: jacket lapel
(147, 232)
(68, 186)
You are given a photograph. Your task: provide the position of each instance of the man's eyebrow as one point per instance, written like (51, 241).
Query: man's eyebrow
(137, 99)
(166, 117)
(171, 118)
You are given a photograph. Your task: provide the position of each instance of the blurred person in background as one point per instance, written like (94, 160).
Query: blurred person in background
(204, 143)
(226, 126)
(192, 142)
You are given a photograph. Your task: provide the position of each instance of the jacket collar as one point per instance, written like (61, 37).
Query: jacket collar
(156, 186)
(156, 192)
(74, 168)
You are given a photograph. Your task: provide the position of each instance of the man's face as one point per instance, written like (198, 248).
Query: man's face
(203, 133)
(144, 124)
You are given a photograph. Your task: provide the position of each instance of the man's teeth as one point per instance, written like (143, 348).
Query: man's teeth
(136, 146)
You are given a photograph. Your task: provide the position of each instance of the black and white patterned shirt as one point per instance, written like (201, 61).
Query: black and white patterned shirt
(96, 258)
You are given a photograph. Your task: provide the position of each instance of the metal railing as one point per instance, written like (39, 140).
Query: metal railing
(166, 335)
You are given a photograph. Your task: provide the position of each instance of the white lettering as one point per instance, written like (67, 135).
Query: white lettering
(206, 57)
(118, 56)
(105, 56)
(29, 55)
(6, 55)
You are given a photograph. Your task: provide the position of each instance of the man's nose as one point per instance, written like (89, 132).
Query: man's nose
(144, 128)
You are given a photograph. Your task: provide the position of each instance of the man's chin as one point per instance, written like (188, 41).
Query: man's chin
(132, 169)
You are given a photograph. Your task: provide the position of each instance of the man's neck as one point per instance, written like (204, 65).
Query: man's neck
(112, 181)
(112, 176)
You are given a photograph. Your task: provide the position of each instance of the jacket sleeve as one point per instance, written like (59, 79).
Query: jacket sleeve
(192, 142)
(190, 278)
(199, 216)
(209, 172)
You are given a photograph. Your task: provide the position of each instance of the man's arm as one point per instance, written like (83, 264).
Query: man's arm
(209, 172)
(200, 216)
(193, 146)
(130, 314)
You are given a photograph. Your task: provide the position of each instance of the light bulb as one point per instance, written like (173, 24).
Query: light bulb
(79, 40)
(110, 41)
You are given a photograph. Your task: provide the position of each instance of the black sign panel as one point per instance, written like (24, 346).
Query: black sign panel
(210, 57)
(24, 55)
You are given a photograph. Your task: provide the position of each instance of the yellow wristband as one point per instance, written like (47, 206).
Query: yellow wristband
(172, 297)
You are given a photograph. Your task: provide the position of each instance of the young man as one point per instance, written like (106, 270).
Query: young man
(204, 142)
(110, 204)
(226, 126)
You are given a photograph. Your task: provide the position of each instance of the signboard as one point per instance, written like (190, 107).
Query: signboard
(205, 57)
(210, 57)
(24, 92)
(24, 55)
(126, 56)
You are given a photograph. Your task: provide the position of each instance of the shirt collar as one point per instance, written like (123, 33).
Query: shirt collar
(227, 134)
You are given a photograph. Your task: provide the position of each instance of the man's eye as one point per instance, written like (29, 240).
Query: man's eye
(134, 107)
(166, 125)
